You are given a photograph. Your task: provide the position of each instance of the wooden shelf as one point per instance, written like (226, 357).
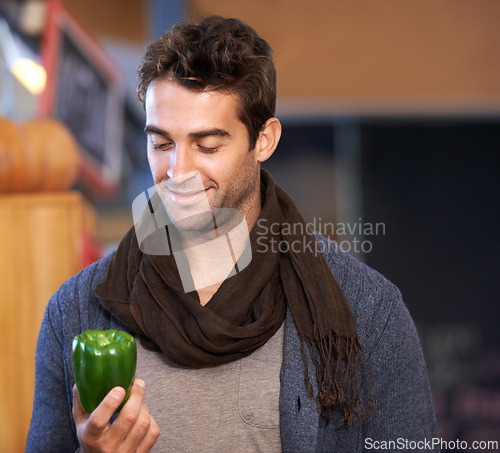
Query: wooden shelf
(41, 245)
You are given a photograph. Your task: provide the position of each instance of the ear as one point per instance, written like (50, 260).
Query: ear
(268, 139)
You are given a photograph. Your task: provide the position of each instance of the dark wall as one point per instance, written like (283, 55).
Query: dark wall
(436, 186)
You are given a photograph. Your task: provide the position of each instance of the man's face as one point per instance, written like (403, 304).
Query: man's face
(198, 151)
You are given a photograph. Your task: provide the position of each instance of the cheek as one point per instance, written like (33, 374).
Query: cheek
(158, 166)
(214, 169)
(152, 165)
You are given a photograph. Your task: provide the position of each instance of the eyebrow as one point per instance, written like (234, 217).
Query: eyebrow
(150, 129)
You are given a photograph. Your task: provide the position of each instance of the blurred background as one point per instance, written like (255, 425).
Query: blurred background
(391, 117)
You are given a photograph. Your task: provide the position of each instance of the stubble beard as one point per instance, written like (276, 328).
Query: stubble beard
(226, 209)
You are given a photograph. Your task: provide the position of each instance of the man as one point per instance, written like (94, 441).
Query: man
(244, 347)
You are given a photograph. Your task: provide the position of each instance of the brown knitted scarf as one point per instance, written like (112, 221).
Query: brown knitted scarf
(145, 292)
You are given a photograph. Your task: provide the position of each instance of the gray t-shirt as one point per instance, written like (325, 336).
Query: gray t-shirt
(232, 407)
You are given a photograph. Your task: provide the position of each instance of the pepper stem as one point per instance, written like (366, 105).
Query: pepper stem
(102, 340)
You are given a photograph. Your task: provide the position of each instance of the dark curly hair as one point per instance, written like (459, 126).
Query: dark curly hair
(216, 54)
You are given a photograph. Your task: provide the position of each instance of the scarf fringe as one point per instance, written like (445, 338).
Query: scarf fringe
(338, 362)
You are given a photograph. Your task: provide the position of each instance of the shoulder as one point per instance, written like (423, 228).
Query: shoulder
(80, 287)
(358, 280)
(372, 298)
(74, 305)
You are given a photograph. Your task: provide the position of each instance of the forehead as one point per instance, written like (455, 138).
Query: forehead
(169, 101)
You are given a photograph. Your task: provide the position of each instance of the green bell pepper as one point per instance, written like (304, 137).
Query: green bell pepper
(103, 360)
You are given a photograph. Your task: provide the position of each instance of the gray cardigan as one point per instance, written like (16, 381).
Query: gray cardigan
(400, 388)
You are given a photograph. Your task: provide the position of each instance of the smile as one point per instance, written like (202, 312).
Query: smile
(188, 198)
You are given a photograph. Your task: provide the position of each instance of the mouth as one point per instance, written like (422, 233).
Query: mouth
(188, 198)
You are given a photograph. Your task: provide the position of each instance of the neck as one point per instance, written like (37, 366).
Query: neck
(213, 258)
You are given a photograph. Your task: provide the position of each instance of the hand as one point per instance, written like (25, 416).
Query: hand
(134, 430)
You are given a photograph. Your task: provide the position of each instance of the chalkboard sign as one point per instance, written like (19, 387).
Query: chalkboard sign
(85, 90)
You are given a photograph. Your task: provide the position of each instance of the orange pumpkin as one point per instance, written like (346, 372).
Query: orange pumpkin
(52, 140)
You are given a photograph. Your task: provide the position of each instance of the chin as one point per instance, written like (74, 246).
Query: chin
(200, 222)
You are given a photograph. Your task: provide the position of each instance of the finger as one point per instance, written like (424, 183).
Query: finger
(150, 438)
(140, 428)
(130, 411)
(79, 414)
(99, 419)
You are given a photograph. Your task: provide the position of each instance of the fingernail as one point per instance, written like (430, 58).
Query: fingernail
(118, 393)
(141, 383)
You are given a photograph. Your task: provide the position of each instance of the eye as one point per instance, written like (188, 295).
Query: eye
(207, 150)
(159, 142)
(161, 146)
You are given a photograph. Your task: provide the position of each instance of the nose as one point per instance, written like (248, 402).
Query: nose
(181, 166)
